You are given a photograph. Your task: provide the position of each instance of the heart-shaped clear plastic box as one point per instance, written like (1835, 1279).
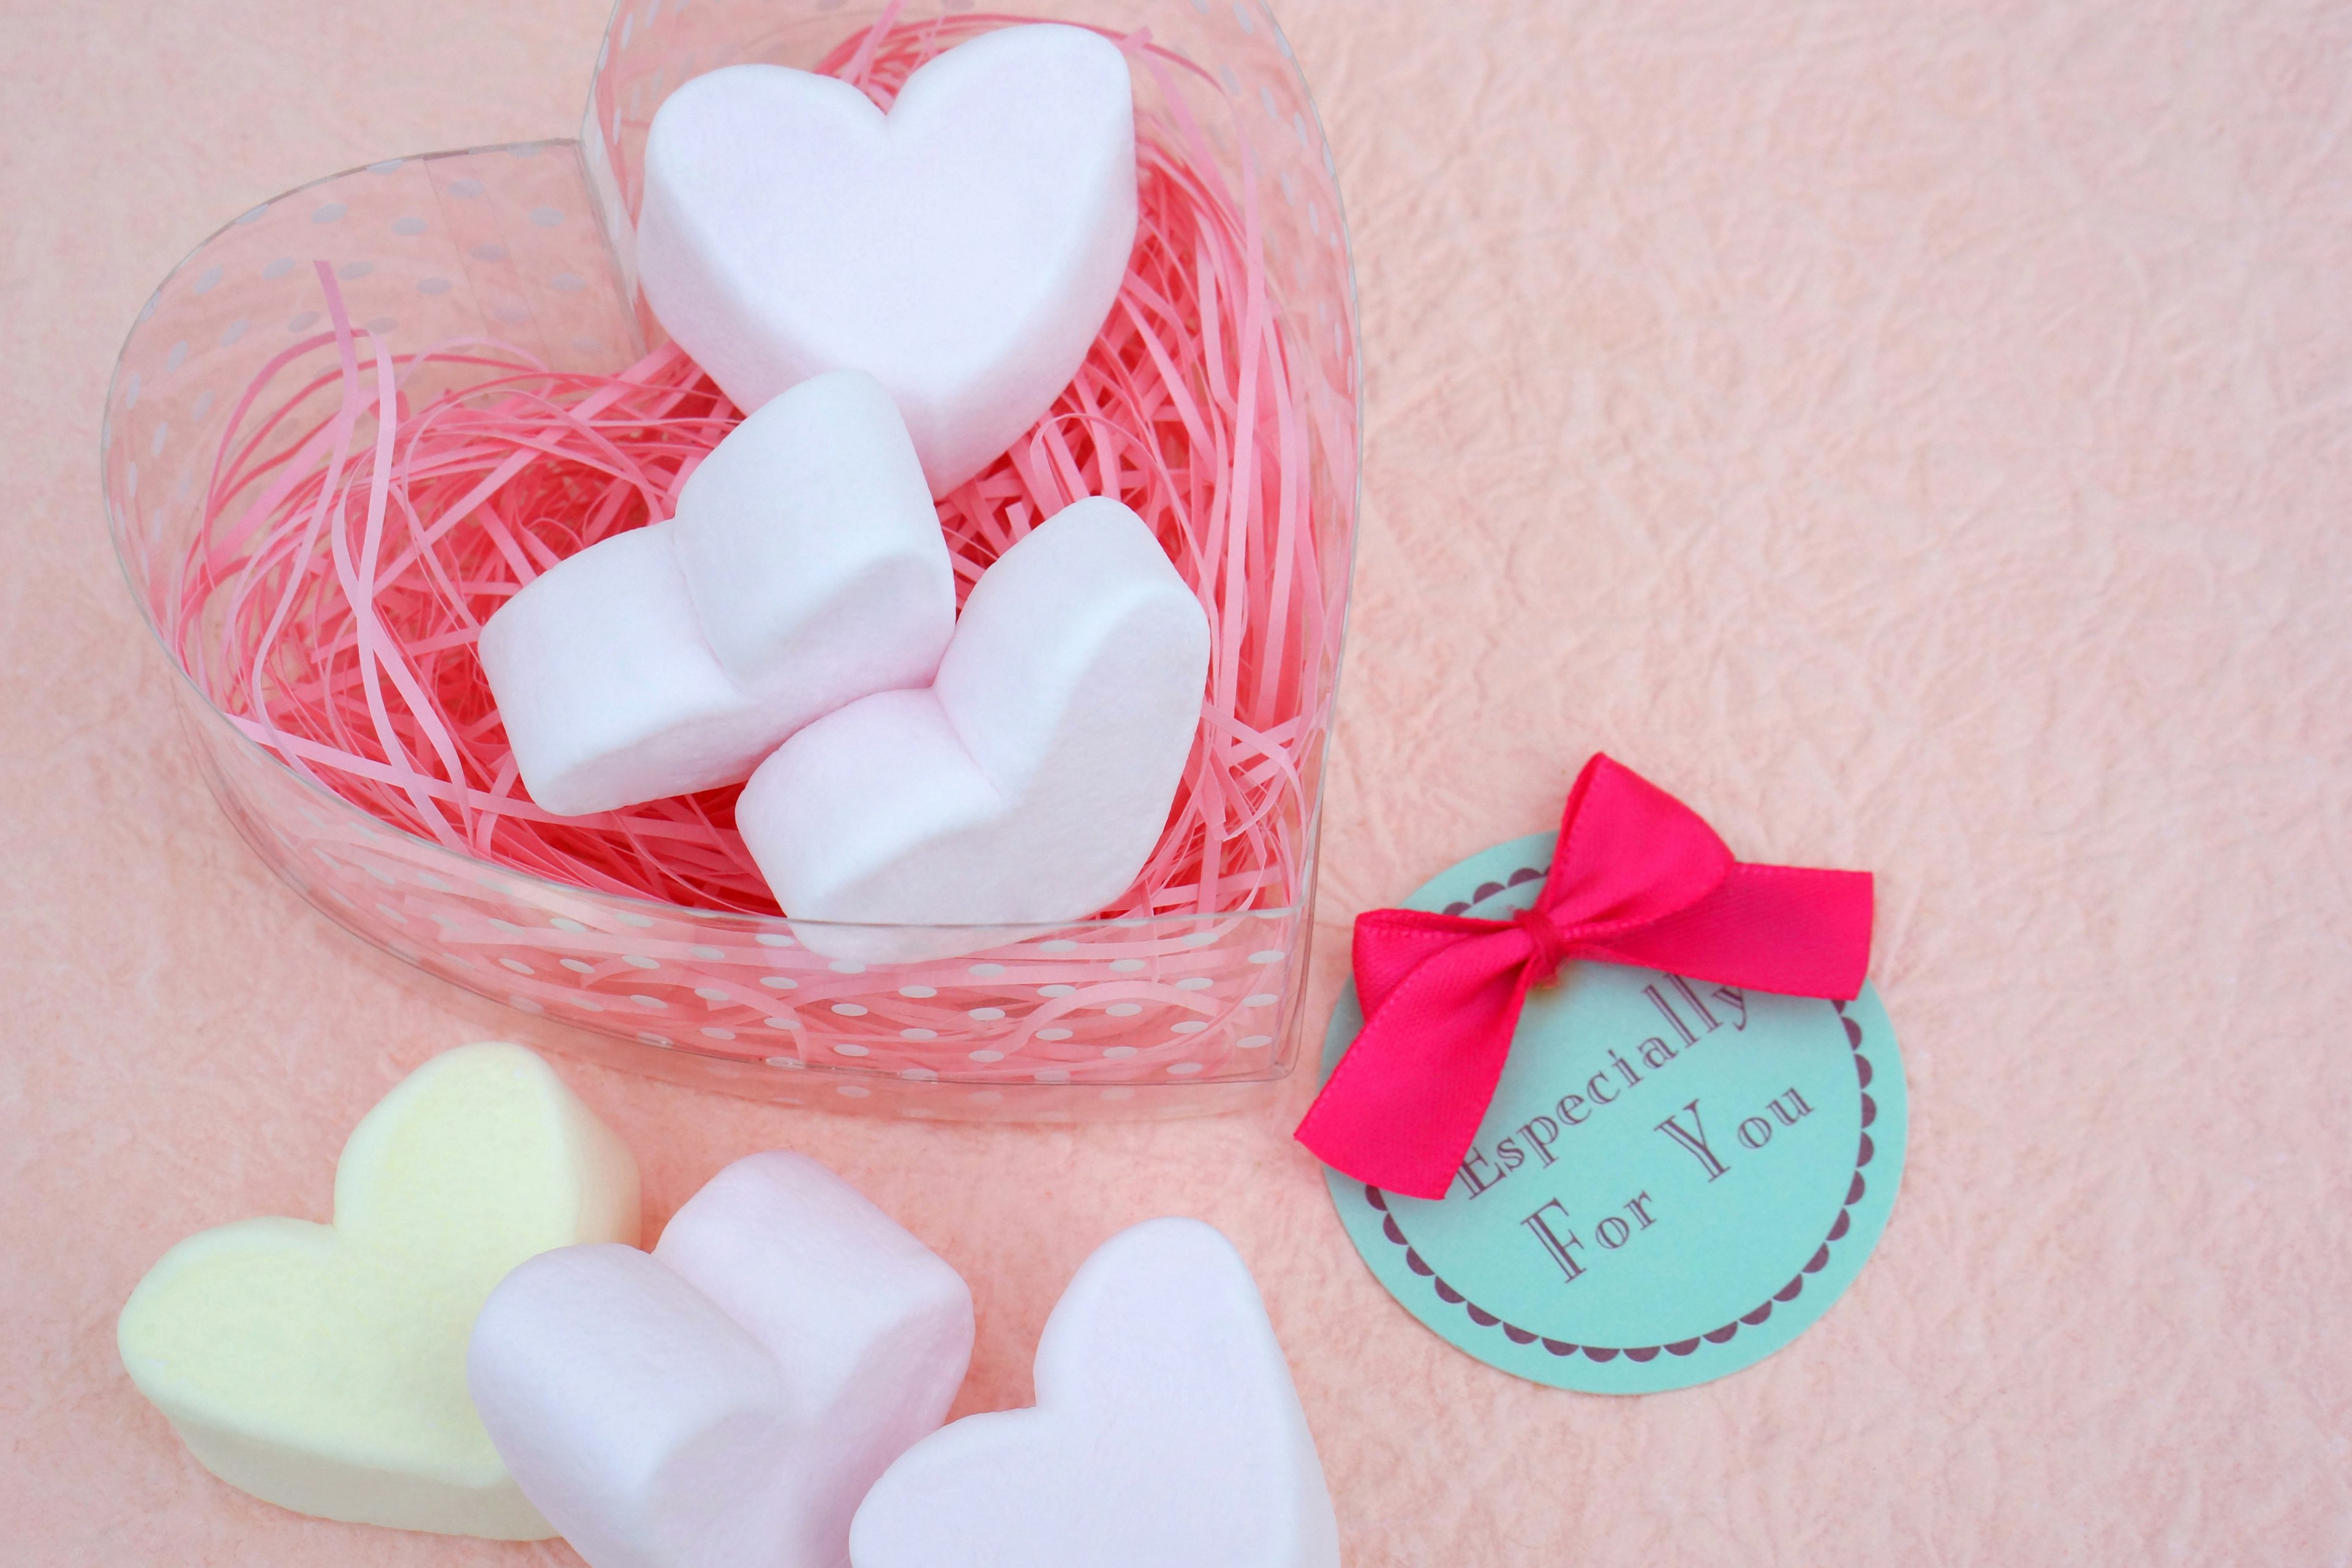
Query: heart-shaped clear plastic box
(1167, 1015)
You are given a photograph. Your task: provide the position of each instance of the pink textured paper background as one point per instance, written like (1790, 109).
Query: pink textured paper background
(1915, 433)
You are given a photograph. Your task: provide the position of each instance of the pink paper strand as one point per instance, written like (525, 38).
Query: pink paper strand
(354, 542)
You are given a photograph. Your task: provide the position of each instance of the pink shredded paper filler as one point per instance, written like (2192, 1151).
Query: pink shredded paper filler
(357, 531)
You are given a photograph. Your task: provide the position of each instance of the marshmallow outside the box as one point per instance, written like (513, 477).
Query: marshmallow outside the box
(965, 248)
(1028, 785)
(322, 1367)
(727, 1401)
(805, 569)
(1167, 1433)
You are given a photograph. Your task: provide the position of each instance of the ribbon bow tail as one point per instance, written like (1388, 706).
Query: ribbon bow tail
(1441, 995)
(1786, 929)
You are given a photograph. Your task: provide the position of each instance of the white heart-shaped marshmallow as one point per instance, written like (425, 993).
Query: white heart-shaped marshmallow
(1027, 784)
(965, 248)
(726, 1401)
(805, 569)
(1167, 1433)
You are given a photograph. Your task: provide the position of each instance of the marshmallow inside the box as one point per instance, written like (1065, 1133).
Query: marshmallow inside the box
(965, 248)
(805, 569)
(1167, 1433)
(727, 1401)
(1028, 783)
(322, 1367)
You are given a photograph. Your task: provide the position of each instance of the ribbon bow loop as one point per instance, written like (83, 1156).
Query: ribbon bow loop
(1637, 878)
(1595, 884)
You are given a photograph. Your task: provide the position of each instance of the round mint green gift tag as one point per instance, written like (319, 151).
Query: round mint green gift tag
(1675, 1178)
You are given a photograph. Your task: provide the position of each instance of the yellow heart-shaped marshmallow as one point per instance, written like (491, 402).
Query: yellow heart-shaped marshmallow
(322, 1367)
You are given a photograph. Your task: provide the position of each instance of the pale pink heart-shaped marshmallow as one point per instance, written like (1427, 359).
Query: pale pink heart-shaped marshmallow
(727, 1401)
(965, 248)
(1027, 784)
(1167, 1433)
(805, 569)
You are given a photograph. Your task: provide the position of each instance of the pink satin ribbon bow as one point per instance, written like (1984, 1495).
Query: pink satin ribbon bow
(1636, 878)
